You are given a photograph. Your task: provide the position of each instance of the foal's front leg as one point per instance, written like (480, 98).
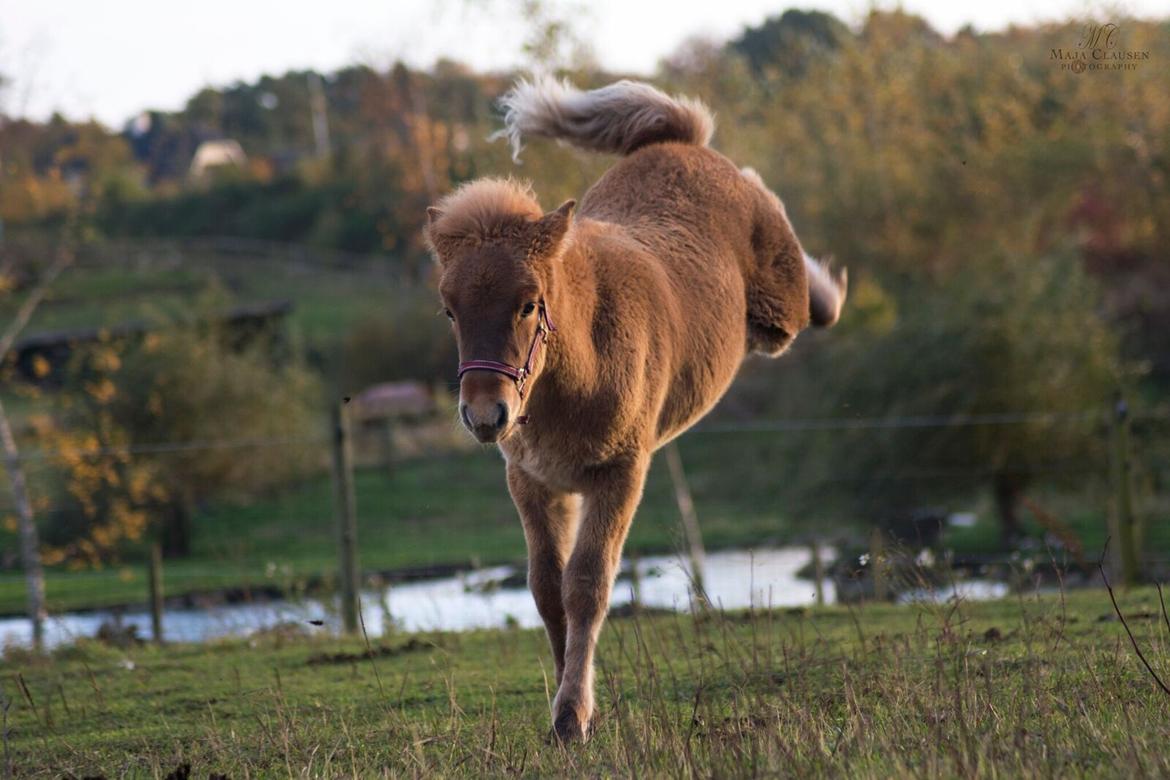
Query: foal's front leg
(550, 521)
(608, 507)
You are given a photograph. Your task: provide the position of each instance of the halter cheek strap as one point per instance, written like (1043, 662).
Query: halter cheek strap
(518, 374)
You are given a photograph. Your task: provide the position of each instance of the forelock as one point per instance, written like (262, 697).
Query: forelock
(484, 210)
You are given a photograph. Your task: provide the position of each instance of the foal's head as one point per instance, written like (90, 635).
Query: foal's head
(498, 256)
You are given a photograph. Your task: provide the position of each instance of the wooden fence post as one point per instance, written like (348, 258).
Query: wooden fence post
(877, 562)
(818, 571)
(635, 584)
(388, 444)
(690, 521)
(346, 518)
(156, 592)
(1123, 513)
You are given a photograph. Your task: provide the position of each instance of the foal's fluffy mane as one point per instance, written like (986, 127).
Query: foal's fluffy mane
(483, 209)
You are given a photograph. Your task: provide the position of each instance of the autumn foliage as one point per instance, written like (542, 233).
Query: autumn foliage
(1005, 220)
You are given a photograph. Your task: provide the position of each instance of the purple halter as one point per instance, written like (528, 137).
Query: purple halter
(519, 375)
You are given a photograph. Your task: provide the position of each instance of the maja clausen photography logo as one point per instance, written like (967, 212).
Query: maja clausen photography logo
(1099, 49)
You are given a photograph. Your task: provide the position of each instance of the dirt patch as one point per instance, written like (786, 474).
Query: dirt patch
(378, 651)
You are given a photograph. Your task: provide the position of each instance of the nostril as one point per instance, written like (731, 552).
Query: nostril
(502, 419)
(463, 414)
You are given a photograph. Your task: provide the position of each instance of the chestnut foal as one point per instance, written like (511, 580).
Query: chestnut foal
(588, 342)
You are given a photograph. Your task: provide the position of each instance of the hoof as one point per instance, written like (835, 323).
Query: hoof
(568, 728)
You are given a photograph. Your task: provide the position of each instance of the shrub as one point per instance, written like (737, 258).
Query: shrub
(410, 341)
(153, 426)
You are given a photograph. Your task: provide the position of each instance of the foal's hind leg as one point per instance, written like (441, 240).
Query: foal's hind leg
(550, 521)
(607, 510)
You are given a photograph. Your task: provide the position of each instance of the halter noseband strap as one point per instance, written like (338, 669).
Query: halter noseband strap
(519, 375)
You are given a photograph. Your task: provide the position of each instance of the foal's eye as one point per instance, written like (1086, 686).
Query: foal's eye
(449, 315)
(528, 309)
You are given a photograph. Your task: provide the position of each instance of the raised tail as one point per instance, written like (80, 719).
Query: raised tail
(826, 291)
(618, 119)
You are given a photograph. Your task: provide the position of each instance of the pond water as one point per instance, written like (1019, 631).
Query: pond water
(486, 598)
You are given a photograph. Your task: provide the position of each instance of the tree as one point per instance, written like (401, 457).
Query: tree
(30, 552)
(160, 424)
(791, 42)
(411, 341)
(1008, 356)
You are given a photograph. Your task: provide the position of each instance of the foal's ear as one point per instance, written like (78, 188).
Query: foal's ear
(551, 229)
(439, 244)
(556, 223)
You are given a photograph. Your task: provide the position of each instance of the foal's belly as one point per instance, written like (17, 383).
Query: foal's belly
(685, 406)
(714, 346)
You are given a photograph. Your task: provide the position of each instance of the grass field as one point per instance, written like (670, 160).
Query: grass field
(1035, 687)
(430, 511)
(455, 510)
(127, 282)
(452, 510)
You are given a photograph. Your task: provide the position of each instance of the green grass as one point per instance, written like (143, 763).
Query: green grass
(1023, 687)
(451, 510)
(118, 290)
(436, 511)
(455, 510)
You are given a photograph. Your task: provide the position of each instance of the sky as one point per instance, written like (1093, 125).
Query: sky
(111, 59)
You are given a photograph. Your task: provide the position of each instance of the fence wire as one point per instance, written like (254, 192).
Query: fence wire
(438, 511)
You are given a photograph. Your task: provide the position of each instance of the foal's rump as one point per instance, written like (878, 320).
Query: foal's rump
(683, 201)
(789, 289)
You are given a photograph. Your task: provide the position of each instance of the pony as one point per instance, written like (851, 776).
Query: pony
(591, 336)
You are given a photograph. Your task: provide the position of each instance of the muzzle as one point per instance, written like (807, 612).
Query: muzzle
(518, 374)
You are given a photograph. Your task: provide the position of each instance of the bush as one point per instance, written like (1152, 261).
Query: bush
(412, 340)
(1001, 337)
(153, 426)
